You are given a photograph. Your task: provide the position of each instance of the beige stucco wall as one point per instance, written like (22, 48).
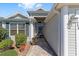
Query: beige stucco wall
(52, 32)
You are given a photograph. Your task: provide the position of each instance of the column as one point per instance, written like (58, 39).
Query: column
(17, 29)
(64, 31)
(3, 25)
(9, 30)
(31, 30)
(29, 33)
(25, 29)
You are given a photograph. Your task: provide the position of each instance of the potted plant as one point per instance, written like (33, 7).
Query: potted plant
(21, 41)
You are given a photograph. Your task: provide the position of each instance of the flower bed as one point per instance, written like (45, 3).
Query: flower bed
(6, 44)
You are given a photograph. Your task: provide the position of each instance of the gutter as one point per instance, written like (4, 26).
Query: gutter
(54, 11)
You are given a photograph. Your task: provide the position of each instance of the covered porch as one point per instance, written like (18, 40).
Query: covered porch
(18, 24)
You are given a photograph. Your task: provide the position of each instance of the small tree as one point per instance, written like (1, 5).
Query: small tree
(3, 34)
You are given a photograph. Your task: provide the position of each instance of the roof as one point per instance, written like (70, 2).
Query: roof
(15, 17)
(38, 12)
(1, 18)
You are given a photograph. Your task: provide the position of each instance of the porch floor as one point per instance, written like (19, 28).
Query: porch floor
(41, 49)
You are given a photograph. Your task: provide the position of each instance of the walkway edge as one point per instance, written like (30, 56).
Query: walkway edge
(29, 51)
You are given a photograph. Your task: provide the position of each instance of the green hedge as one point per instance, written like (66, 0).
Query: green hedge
(3, 34)
(6, 43)
(20, 39)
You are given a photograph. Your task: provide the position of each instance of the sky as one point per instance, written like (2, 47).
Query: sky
(7, 9)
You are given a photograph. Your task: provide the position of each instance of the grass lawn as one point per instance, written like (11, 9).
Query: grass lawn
(11, 52)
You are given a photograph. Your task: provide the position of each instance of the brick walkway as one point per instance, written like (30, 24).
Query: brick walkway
(41, 49)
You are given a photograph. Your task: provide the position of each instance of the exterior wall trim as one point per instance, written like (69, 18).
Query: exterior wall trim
(65, 18)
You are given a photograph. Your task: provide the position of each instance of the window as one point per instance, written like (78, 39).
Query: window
(27, 29)
(7, 26)
(13, 27)
(21, 28)
(0, 24)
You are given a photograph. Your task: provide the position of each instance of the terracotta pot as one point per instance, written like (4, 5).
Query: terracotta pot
(27, 46)
(23, 47)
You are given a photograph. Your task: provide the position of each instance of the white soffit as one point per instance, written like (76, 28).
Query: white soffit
(54, 10)
(57, 7)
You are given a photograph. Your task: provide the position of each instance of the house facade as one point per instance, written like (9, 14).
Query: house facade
(28, 25)
(61, 29)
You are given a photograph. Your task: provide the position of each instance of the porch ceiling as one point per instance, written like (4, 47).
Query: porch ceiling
(16, 20)
(38, 19)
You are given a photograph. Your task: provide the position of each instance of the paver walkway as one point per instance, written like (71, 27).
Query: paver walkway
(41, 49)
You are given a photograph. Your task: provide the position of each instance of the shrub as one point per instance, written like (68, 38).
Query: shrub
(3, 34)
(20, 39)
(6, 43)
